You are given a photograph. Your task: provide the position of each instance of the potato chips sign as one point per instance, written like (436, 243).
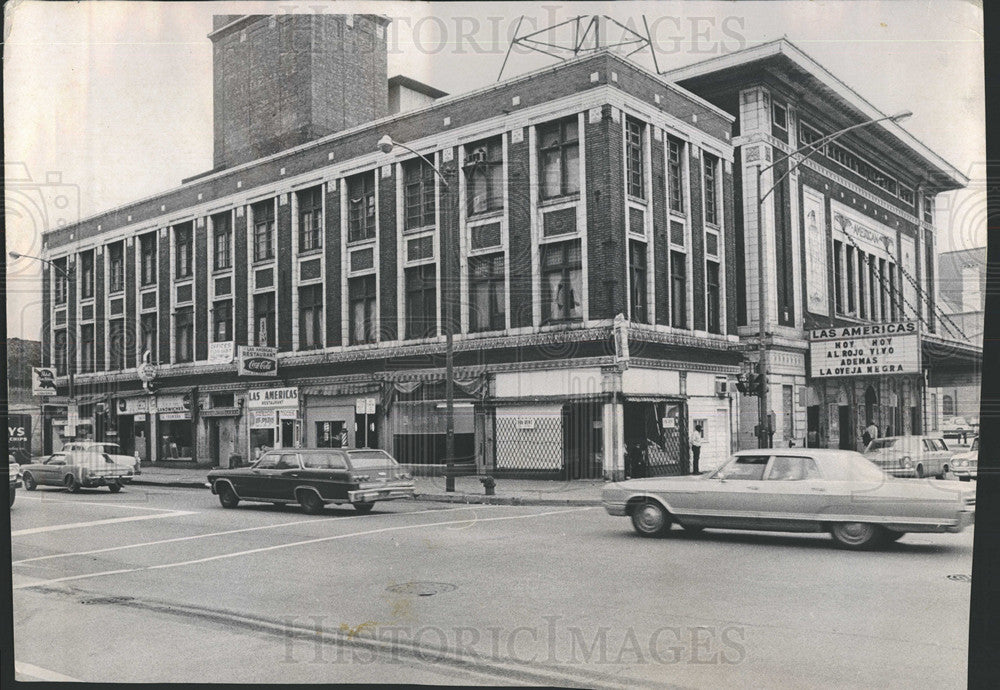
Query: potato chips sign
(865, 350)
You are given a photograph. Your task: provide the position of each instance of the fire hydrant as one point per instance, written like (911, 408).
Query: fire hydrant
(489, 483)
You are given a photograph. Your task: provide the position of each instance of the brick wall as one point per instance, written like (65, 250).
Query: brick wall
(729, 247)
(131, 320)
(661, 239)
(202, 333)
(99, 321)
(240, 279)
(47, 275)
(606, 242)
(331, 239)
(387, 254)
(165, 285)
(519, 226)
(284, 275)
(697, 277)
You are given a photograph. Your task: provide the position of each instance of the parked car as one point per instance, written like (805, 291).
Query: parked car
(956, 428)
(910, 456)
(966, 465)
(112, 449)
(14, 470)
(795, 490)
(76, 469)
(313, 478)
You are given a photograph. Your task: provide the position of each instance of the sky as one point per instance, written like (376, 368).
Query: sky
(109, 102)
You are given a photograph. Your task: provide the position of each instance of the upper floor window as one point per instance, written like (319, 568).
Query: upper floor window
(264, 318)
(711, 189)
(147, 332)
(182, 251)
(779, 115)
(559, 156)
(59, 276)
(222, 247)
(61, 351)
(484, 175)
(486, 293)
(222, 321)
(418, 193)
(675, 182)
(147, 258)
(421, 301)
(713, 297)
(363, 318)
(638, 302)
(184, 334)
(361, 207)
(311, 317)
(116, 267)
(562, 282)
(263, 230)
(678, 290)
(928, 209)
(87, 274)
(116, 344)
(87, 348)
(310, 219)
(634, 158)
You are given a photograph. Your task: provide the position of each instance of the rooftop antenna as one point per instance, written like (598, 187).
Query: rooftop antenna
(583, 34)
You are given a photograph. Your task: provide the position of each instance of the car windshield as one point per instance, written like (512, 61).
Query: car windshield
(369, 459)
(743, 467)
(880, 443)
(326, 461)
(975, 443)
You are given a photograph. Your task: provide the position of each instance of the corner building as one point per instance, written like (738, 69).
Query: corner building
(851, 249)
(576, 194)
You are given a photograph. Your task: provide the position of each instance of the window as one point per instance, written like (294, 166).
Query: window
(808, 135)
(873, 288)
(311, 317)
(116, 344)
(559, 153)
(711, 189)
(838, 275)
(678, 290)
(147, 328)
(862, 291)
(893, 294)
(713, 297)
(906, 195)
(263, 230)
(263, 314)
(484, 176)
(147, 253)
(184, 334)
(634, 159)
(223, 242)
(675, 184)
(486, 293)
(744, 467)
(851, 282)
(60, 345)
(182, 251)
(59, 276)
(361, 207)
(116, 267)
(87, 348)
(421, 301)
(562, 282)
(884, 298)
(287, 461)
(779, 115)
(326, 461)
(87, 274)
(222, 321)
(361, 294)
(947, 406)
(793, 469)
(310, 219)
(418, 193)
(928, 209)
(638, 302)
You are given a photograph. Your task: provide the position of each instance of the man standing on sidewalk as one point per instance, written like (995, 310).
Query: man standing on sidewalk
(697, 438)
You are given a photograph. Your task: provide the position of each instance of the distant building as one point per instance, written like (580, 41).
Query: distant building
(22, 355)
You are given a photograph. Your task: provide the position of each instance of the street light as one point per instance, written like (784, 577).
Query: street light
(386, 145)
(764, 430)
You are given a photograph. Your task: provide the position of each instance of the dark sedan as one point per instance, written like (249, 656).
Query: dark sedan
(313, 478)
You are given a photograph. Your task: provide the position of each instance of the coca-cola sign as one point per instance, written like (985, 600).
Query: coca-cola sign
(257, 361)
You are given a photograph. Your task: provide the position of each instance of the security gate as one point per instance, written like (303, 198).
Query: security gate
(656, 441)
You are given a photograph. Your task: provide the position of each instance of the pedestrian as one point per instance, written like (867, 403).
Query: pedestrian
(697, 438)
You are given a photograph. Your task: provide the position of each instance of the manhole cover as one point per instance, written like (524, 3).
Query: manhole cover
(106, 600)
(422, 589)
(960, 578)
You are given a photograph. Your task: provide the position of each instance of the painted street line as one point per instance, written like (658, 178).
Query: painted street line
(40, 499)
(94, 523)
(275, 547)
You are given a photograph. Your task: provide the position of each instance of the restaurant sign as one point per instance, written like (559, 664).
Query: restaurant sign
(257, 361)
(865, 350)
(272, 398)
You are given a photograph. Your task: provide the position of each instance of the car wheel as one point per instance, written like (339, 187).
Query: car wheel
(364, 508)
(12, 492)
(115, 488)
(857, 535)
(71, 484)
(29, 482)
(227, 497)
(650, 519)
(310, 501)
(920, 471)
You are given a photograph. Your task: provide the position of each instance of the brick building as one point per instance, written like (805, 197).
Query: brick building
(850, 248)
(576, 194)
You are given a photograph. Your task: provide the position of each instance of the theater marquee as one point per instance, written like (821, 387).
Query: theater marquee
(865, 350)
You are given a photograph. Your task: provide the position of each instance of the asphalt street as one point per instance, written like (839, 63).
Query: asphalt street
(163, 585)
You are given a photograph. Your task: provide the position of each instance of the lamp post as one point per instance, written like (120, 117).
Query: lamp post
(764, 430)
(386, 145)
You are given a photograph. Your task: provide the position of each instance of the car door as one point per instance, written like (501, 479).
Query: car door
(328, 472)
(52, 471)
(254, 483)
(731, 496)
(793, 493)
(286, 476)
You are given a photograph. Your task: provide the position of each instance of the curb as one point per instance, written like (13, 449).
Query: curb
(468, 499)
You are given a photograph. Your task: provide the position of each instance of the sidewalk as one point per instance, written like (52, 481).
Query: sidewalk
(539, 492)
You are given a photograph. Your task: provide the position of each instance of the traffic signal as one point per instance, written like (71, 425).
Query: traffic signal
(750, 384)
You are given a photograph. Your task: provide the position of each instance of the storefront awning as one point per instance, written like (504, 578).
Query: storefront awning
(335, 389)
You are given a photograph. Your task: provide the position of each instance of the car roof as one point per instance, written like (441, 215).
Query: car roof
(795, 451)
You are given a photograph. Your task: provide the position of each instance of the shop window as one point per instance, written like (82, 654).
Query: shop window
(484, 176)
(559, 158)
(87, 274)
(332, 434)
(222, 321)
(263, 230)
(634, 158)
(487, 299)
(421, 301)
(562, 282)
(264, 319)
(175, 439)
(419, 194)
(638, 301)
(116, 267)
(310, 202)
(363, 324)
(678, 290)
(713, 297)
(184, 334)
(675, 179)
(311, 317)
(223, 242)
(361, 207)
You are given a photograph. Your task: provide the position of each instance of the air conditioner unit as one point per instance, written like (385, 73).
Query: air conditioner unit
(722, 387)
(477, 156)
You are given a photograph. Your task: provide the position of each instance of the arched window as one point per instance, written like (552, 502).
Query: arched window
(947, 406)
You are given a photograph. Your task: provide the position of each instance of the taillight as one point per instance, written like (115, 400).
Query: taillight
(362, 477)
